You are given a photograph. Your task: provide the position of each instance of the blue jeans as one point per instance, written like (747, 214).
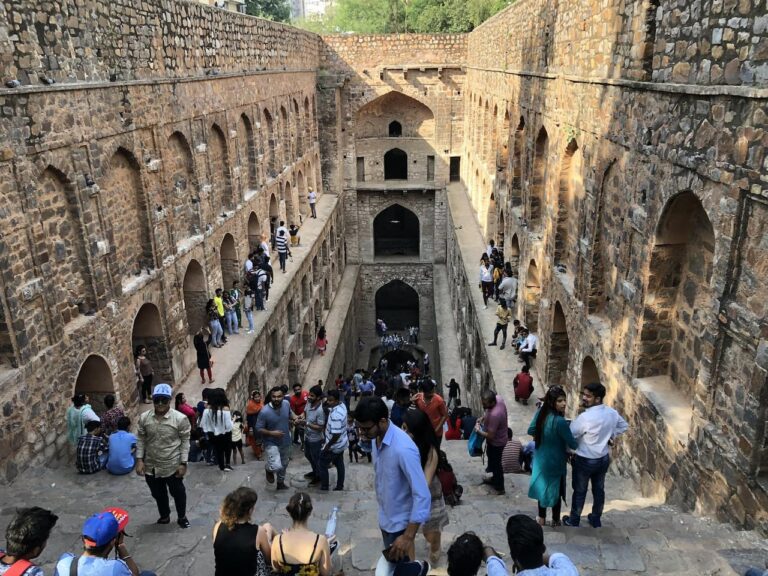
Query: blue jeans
(586, 470)
(216, 332)
(312, 452)
(756, 572)
(258, 299)
(337, 459)
(231, 319)
(249, 316)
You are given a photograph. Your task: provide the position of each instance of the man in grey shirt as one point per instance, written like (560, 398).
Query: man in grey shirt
(508, 290)
(314, 424)
(273, 424)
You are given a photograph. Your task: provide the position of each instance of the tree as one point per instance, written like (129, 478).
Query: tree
(277, 10)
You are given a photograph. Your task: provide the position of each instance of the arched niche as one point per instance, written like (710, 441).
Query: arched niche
(589, 372)
(395, 129)
(254, 232)
(293, 370)
(230, 269)
(416, 120)
(301, 184)
(148, 331)
(678, 299)
(221, 194)
(247, 150)
(518, 163)
(291, 215)
(195, 296)
(271, 147)
(396, 232)
(395, 165)
(537, 198)
(513, 252)
(532, 296)
(397, 304)
(559, 349)
(597, 300)
(274, 214)
(95, 379)
(184, 197)
(570, 193)
(285, 136)
(307, 341)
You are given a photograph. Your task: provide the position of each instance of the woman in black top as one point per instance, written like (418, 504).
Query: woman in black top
(241, 548)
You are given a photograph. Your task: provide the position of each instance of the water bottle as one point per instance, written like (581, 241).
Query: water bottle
(330, 527)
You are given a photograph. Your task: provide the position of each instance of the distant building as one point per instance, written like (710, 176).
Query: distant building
(231, 5)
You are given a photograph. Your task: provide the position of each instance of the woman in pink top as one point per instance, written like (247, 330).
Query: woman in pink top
(186, 409)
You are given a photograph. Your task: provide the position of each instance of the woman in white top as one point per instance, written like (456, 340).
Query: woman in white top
(217, 424)
(486, 279)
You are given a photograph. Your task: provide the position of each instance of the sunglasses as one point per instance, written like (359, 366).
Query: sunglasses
(161, 400)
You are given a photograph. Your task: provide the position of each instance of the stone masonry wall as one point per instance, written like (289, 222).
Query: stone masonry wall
(627, 92)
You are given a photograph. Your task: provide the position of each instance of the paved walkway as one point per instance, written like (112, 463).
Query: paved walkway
(447, 333)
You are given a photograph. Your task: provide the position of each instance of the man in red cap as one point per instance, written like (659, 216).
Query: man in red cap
(102, 533)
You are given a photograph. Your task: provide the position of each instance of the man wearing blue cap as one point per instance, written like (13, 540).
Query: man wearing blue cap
(101, 534)
(161, 454)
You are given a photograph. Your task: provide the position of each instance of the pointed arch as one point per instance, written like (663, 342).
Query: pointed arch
(375, 118)
(148, 332)
(570, 193)
(94, 378)
(126, 209)
(597, 299)
(395, 164)
(271, 148)
(678, 298)
(537, 196)
(254, 232)
(247, 150)
(195, 296)
(397, 303)
(396, 232)
(589, 372)
(221, 193)
(502, 159)
(285, 136)
(66, 255)
(301, 185)
(184, 197)
(532, 296)
(559, 349)
(518, 163)
(230, 269)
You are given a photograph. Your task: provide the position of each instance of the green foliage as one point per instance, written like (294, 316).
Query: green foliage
(396, 16)
(277, 10)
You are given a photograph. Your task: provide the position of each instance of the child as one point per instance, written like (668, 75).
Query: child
(197, 445)
(237, 435)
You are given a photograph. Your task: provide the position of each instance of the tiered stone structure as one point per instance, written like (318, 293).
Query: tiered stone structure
(617, 153)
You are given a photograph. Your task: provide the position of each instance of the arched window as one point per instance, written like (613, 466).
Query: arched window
(396, 165)
(398, 305)
(396, 232)
(395, 128)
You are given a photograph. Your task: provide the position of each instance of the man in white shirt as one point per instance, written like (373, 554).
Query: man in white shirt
(529, 347)
(508, 290)
(594, 429)
(312, 200)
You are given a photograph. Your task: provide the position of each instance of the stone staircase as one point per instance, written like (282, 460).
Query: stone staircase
(640, 536)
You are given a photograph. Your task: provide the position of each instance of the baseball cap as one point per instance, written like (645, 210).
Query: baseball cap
(100, 529)
(120, 515)
(162, 390)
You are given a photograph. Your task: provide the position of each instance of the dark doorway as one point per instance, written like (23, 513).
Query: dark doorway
(395, 128)
(398, 305)
(395, 165)
(455, 168)
(398, 359)
(396, 232)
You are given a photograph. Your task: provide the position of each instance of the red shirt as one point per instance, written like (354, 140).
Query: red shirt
(299, 402)
(523, 385)
(435, 409)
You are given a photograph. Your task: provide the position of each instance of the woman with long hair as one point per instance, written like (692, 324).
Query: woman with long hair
(241, 548)
(553, 437)
(144, 374)
(322, 341)
(204, 362)
(298, 551)
(418, 426)
(217, 332)
(188, 411)
(217, 424)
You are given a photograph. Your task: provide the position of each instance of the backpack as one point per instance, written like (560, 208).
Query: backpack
(452, 490)
(17, 568)
(475, 444)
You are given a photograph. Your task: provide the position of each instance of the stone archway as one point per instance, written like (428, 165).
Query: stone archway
(293, 370)
(678, 298)
(290, 211)
(537, 198)
(513, 252)
(230, 270)
(396, 232)
(589, 372)
(397, 304)
(532, 296)
(326, 295)
(395, 165)
(195, 296)
(569, 194)
(307, 342)
(518, 162)
(148, 331)
(95, 379)
(274, 214)
(559, 349)
(254, 232)
(301, 184)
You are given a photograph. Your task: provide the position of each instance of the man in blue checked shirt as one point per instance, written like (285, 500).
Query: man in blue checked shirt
(401, 488)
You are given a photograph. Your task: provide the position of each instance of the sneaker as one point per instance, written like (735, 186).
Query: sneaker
(164, 520)
(572, 522)
(594, 521)
(501, 347)
(183, 522)
(425, 568)
(492, 344)
(281, 486)
(270, 477)
(228, 468)
(485, 307)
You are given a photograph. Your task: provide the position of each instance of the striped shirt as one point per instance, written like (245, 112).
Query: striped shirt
(337, 424)
(281, 243)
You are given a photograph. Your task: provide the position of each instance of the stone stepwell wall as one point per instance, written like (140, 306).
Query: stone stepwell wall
(713, 42)
(374, 51)
(71, 40)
